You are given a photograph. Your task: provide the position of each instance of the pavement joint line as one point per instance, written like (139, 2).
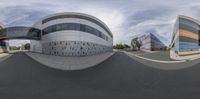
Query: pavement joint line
(4, 56)
(70, 63)
(159, 61)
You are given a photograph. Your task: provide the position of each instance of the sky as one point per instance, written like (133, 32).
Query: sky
(125, 18)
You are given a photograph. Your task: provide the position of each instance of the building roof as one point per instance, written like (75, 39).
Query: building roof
(189, 18)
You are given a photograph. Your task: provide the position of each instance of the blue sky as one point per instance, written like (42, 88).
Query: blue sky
(125, 18)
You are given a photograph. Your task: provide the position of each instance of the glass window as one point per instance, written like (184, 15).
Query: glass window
(19, 32)
(76, 27)
(80, 17)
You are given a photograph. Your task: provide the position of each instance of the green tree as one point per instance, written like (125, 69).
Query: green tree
(121, 46)
(126, 46)
(14, 48)
(136, 43)
(27, 46)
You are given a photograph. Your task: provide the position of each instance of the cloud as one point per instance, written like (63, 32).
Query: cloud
(21, 15)
(125, 18)
(18, 42)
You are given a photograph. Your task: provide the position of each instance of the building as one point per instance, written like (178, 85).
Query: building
(65, 34)
(185, 39)
(3, 43)
(1, 25)
(72, 34)
(149, 42)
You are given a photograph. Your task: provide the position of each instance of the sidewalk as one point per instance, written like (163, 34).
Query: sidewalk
(174, 56)
(4, 56)
(158, 55)
(154, 57)
(69, 63)
(163, 65)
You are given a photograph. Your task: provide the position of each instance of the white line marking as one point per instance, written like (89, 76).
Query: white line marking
(159, 61)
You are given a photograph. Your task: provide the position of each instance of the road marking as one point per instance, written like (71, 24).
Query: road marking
(159, 61)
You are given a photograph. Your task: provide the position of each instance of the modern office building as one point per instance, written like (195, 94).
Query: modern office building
(65, 34)
(149, 42)
(185, 39)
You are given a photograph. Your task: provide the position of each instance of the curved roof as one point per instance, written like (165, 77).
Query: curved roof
(76, 15)
(190, 18)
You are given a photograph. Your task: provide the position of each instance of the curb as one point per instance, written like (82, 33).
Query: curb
(158, 61)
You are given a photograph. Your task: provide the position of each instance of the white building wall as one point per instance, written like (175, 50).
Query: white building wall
(36, 46)
(74, 36)
(56, 43)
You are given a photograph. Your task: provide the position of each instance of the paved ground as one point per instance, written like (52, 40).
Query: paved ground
(119, 77)
(158, 55)
(136, 52)
(4, 56)
(70, 63)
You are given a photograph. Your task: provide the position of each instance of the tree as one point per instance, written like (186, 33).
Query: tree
(136, 43)
(27, 46)
(121, 46)
(126, 46)
(14, 48)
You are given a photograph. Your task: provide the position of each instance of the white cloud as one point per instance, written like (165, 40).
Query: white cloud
(125, 18)
(18, 42)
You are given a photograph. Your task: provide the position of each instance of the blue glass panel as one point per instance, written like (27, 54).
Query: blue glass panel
(188, 46)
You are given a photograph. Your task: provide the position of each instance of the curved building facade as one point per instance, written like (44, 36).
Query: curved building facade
(186, 36)
(72, 34)
(64, 34)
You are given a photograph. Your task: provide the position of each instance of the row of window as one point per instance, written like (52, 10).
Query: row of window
(80, 17)
(76, 27)
(189, 28)
(189, 23)
(2, 43)
(20, 32)
(188, 46)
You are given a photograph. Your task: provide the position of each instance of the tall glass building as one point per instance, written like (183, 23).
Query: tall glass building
(150, 42)
(185, 39)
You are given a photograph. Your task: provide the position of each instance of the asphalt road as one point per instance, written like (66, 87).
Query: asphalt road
(119, 77)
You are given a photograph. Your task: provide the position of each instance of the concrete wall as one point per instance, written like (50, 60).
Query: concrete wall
(73, 48)
(36, 46)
